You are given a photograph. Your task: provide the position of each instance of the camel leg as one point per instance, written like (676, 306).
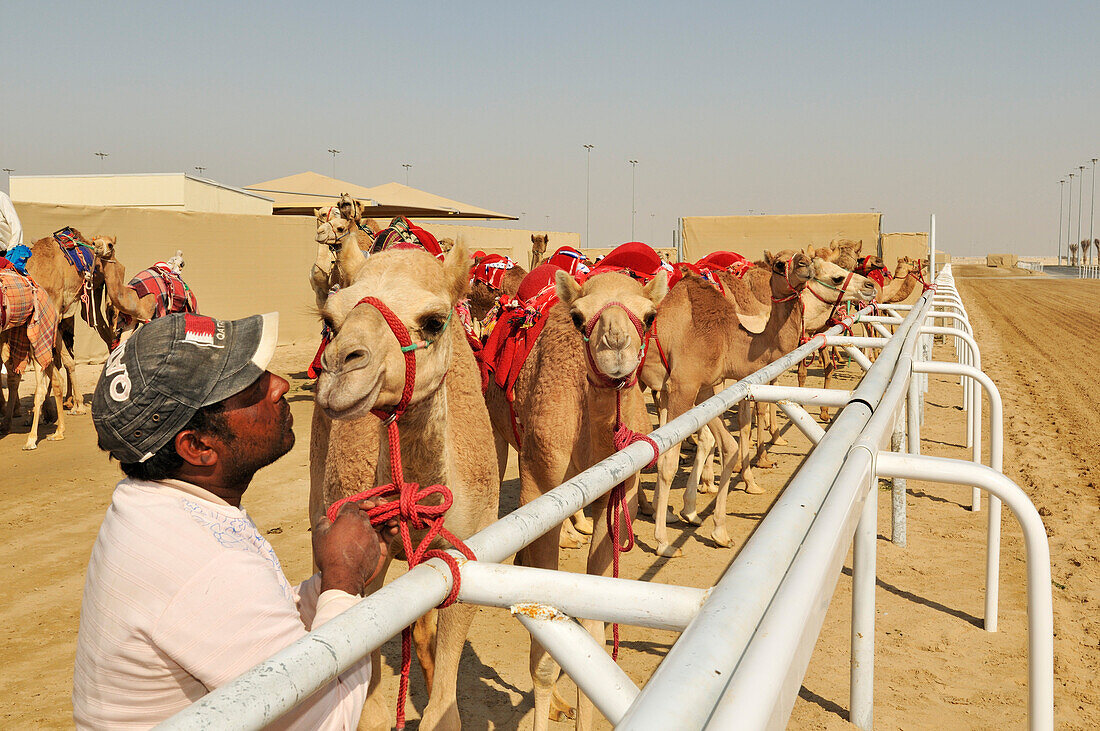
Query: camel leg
(745, 416)
(501, 443)
(667, 465)
(763, 461)
(74, 399)
(731, 462)
(14, 407)
(53, 375)
(424, 640)
(442, 709)
(570, 537)
(543, 553)
(41, 386)
(705, 445)
(645, 507)
(828, 370)
(582, 523)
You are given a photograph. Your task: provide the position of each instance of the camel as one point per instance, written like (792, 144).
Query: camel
(444, 433)
(741, 335)
(897, 289)
(538, 249)
(483, 296)
(842, 252)
(333, 232)
(29, 323)
(133, 305)
(565, 400)
(51, 270)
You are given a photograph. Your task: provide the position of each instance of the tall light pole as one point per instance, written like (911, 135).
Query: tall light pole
(406, 165)
(102, 156)
(652, 228)
(547, 221)
(1092, 207)
(633, 208)
(201, 169)
(1080, 190)
(587, 189)
(1061, 208)
(334, 153)
(9, 171)
(1069, 217)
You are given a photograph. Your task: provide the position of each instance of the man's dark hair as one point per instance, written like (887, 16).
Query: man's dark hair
(166, 462)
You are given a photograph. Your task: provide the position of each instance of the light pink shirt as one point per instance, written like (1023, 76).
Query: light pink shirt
(182, 595)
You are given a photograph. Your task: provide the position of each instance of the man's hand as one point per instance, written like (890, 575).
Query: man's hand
(350, 551)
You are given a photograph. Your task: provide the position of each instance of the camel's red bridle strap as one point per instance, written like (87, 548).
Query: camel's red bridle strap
(408, 506)
(787, 276)
(602, 381)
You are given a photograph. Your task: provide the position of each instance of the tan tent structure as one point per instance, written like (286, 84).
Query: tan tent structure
(897, 245)
(298, 195)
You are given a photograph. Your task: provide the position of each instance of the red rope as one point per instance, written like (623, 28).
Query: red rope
(408, 503)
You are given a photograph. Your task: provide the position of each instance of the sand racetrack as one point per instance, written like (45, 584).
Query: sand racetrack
(935, 666)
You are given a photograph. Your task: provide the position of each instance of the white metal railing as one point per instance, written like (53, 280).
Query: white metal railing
(746, 641)
(1088, 271)
(1034, 266)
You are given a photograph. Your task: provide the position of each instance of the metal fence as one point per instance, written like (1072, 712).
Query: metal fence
(746, 642)
(1088, 271)
(1035, 266)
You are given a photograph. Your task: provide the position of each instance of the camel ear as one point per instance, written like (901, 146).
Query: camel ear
(657, 288)
(810, 250)
(769, 258)
(859, 246)
(456, 271)
(754, 323)
(533, 240)
(567, 288)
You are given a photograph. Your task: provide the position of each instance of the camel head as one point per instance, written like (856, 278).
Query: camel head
(831, 283)
(791, 270)
(539, 242)
(333, 230)
(349, 208)
(446, 244)
(599, 309)
(104, 247)
(364, 366)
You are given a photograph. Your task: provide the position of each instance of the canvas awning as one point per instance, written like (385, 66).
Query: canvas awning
(299, 194)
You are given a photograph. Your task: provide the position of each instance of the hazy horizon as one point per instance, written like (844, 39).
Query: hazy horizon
(973, 114)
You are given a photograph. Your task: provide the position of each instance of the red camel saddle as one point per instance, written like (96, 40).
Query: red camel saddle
(490, 270)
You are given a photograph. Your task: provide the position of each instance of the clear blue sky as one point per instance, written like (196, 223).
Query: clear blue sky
(973, 111)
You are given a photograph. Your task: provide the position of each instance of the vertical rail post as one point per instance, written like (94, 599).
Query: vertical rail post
(862, 691)
(897, 493)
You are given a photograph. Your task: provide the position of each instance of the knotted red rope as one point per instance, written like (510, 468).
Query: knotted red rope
(407, 504)
(618, 511)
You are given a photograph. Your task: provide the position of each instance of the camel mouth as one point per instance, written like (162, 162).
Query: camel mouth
(335, 401)
(616, 364)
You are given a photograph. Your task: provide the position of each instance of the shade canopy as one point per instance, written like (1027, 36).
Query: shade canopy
(299, 194)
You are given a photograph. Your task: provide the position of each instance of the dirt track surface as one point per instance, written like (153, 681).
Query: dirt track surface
(935, 667)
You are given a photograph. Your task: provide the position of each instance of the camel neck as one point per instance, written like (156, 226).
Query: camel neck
(423, 433)
(785, 322)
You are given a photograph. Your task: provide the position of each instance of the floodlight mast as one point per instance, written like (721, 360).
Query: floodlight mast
(334, 152)
(587, 189)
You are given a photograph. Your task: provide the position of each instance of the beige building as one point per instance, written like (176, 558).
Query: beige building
(162, 191)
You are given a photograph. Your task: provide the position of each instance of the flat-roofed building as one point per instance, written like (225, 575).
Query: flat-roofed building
(163, 191)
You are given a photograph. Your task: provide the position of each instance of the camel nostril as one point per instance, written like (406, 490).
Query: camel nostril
(616, 339)
(356, 358)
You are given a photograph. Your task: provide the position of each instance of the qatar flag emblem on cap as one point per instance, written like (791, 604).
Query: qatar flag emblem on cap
(205, 332)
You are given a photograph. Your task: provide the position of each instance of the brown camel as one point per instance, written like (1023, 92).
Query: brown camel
(52, 271)
(30, 334)
(741, 335)
(484, 296)
(333, 232)
(822, 298)
(567, 424)
(539, 243)
(444, 433)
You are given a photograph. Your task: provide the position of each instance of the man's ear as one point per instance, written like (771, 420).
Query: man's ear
(196, 448)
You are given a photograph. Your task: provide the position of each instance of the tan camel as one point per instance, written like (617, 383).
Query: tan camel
(123, 298)
(831, 287)
(483, 297)
(445, 432)
(334, 232)
(740, 335)
(567, 424)
(539, 243)
(30, 316)
(51, 270)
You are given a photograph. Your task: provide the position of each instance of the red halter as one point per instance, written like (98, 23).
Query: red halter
(408, 505)
(618, 512)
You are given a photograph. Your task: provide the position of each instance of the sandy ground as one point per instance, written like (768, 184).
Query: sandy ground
(935, 666)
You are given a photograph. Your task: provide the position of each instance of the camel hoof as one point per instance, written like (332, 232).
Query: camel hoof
(692, 517)
(583, 526)
(722, 538)
(824, 414)
(78, 410)
(754, 489)
(29, 446)
(779, 441)
(55, 437)
(646, 508)
(571, 542)
(562, 714)
(664, 549)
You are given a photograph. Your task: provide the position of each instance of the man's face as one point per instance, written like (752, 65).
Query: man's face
(259, 420)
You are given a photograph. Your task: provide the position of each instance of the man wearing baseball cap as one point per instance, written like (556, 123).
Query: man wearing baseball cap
(183, 593)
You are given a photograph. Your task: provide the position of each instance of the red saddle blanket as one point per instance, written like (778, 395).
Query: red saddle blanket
(490, 270)
(173, 295)
(28, 318)
(517, 327)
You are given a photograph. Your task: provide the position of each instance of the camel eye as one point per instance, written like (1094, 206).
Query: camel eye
(838, 279)
(578, 320)
(432, 325)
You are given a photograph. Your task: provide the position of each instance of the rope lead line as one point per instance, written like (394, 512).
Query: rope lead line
(408, 497)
